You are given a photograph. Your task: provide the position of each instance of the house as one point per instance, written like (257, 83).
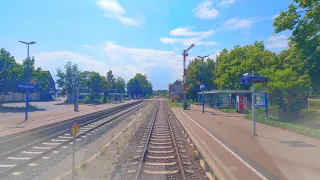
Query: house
(176, 90)
(49, 94)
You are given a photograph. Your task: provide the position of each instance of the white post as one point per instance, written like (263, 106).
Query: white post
(253, 110)
(73, 155)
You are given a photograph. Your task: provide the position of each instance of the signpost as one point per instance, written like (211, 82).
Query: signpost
(27, 87)
(253, 79)
(74, 132)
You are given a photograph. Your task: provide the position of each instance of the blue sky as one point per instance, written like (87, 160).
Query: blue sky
(135, 36)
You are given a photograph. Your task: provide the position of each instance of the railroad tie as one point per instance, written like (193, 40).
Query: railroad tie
(161, 163)
(161, 172)
(161, 152)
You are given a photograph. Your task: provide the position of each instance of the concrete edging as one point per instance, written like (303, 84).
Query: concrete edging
(208, 160)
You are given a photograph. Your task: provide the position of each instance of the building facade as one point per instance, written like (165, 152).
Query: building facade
(176, 90)
(49, 94)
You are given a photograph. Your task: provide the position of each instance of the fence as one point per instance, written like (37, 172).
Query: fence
(18, 97)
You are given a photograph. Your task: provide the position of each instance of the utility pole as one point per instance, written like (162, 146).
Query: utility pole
(27, 77)
(202, 80)
(185, 54)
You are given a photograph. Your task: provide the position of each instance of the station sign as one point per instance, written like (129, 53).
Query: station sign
(27, 86)
(202, 86)
(253, 79)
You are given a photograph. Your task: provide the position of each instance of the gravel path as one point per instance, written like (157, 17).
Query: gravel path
(126, 163)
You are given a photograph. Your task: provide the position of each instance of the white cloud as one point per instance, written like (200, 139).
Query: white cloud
(128, 21)
(53, 60)
(113, 9)
(247, 33)
(274, 16)
(237, 23)
(277, 41)
(205, 10)
(160, 66)
(187, 41)
(126, 62)
(226, 2)
(184, 31)
(198, 40)
(88, 46)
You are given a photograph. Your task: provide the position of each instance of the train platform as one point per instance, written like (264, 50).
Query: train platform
(273, 154)
(16, 124)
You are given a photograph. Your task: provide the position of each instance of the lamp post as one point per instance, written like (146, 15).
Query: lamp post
(27, 77)
(202, 81)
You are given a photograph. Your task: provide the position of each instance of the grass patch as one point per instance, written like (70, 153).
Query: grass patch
(195, 155)
(83, 165)
(314, 104)
(233, 110)
(6, 109)
(172, 104)
(102, 150)
(307, 123)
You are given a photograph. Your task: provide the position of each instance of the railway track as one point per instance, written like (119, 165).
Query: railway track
(32, 152)
(161, 154)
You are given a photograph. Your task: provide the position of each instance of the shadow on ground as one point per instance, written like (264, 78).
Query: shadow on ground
(8, 109)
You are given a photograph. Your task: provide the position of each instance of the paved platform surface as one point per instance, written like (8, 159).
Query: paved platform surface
(15, 124)
(273, 154)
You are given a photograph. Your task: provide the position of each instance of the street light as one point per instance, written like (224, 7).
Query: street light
(202, 81)
(27, 77)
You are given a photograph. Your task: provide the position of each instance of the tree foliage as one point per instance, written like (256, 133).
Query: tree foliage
(111, 82)
(120, 85)
(13, 73)
(139, 85)
(303, 19)
(95, 82)
(71, 78)
(232, 64)
(194, 76)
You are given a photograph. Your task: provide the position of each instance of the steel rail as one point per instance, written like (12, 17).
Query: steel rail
(144, 152)
(32, 159)
(183, 175)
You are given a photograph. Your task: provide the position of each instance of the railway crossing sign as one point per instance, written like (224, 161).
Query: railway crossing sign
(75, 129)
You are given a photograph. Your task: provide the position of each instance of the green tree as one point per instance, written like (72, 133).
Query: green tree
(120, 85)
(111, 82)
(36, 75)
(95, 82)
(287, 89)
(8, 72)
(232, 64)
(12, 73)
(194, 76)
(139, 85)
(303, 19)
(71, 78)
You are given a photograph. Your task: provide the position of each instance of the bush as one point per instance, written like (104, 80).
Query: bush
(92, 100)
